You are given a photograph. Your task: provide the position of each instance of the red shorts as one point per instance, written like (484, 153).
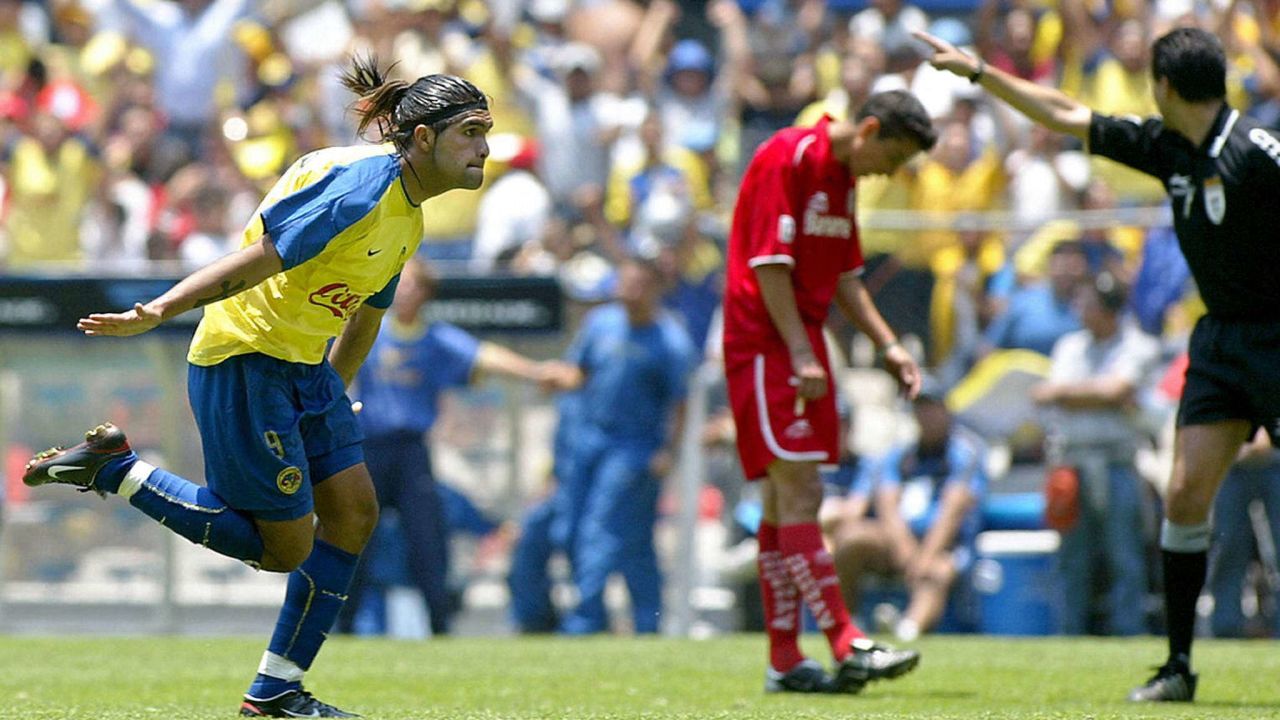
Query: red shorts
(771, 424)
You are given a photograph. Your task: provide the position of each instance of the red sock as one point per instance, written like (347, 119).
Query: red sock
(810, 566)
(781, 602)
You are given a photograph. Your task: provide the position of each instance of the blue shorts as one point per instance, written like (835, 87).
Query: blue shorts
(270, 430)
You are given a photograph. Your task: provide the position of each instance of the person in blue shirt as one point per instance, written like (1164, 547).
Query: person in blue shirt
(1041, 313)
(547, 527)
(410, 365)
(921, 519)
(630, 363)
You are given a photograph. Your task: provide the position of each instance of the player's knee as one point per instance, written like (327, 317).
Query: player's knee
(854, 536)
(1187, 503)
(799, 498)
(357, 521)
(367, 517)
(286, 556)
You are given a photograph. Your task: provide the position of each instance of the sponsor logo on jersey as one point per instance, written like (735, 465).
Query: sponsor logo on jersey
(817, 223)
(1266, 142)
(338, 299)
(289, 480)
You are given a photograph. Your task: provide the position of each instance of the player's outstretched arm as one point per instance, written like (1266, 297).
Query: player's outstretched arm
(495, 359)
(216, 281)
(856, 304)
(1044, 105)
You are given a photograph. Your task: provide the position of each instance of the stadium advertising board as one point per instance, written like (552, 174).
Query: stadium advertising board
(479, 304)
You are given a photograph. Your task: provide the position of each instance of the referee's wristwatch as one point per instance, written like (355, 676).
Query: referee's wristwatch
(976, 76)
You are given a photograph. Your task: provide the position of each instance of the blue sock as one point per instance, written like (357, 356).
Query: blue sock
(192, 511)
(110, 475)
(315, 594)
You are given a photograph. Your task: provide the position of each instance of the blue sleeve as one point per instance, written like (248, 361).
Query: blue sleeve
(997, 334)
(579, 350)
(889, 469)
(965, 459)
(452, 354)
(382, 299)
(302, 224)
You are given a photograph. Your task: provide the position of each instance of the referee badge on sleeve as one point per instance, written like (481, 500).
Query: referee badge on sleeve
(1215, 200)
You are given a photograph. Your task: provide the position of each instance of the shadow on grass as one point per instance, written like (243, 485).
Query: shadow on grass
(1238, 705)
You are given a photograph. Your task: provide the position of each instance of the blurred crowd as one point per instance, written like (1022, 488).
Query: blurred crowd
(139, 136)
(144, 131)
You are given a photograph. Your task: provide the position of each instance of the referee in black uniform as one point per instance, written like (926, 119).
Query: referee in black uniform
(1222, 173)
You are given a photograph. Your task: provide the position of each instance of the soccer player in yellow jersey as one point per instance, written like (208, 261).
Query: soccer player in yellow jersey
(288, 490)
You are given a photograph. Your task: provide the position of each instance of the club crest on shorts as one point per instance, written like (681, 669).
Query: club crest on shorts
(799, 429)
(289, 480)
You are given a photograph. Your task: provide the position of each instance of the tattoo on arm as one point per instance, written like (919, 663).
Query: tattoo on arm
(227, 291)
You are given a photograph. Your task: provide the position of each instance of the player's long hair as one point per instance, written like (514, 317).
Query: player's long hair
(396, 107)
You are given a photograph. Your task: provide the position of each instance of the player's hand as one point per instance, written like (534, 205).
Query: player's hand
(947, 57)
(899, 363)
(810, 377)
(557, 375)
(133, 322)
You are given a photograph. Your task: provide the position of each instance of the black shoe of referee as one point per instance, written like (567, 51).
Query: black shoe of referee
(1173, 682)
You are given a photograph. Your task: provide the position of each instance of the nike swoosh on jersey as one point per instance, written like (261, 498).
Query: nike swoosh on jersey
(55, 470)
(370, 252)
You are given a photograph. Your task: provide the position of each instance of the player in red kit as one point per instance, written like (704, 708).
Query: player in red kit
(792, 250)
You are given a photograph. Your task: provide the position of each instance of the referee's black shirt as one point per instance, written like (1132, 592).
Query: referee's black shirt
(1225, 197)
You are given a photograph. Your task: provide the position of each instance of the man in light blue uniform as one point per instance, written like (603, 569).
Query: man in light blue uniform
(631, 361)
(920, 502)
(410, 365)
(546, 528)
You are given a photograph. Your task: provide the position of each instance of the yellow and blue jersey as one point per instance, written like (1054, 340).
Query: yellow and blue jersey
(343, 225)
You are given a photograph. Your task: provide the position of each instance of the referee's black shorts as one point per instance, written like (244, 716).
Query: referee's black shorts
(1233, 374)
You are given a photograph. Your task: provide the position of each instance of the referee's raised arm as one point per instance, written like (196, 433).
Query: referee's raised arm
(1045, 105)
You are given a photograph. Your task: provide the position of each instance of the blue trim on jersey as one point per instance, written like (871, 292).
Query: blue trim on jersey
(382, 299)
(302, 224)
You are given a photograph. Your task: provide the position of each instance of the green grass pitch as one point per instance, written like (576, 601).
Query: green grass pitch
(107, 678)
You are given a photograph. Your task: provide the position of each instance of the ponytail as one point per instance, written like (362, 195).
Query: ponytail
(378, 97)
(397, 107)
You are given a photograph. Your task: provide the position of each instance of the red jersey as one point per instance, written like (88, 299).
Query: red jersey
(795, 207)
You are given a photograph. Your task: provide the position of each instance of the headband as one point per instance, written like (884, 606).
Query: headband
(450, 111)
